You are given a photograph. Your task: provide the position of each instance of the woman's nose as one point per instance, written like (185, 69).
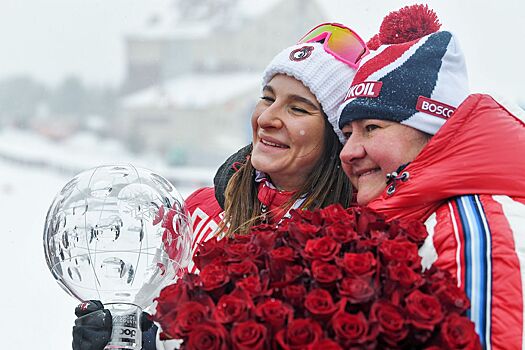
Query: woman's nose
(271, 117)
(352, 150)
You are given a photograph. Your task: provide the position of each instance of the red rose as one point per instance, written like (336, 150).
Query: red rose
(208, 336)
(312, 217)
(243, 269)
(325, 273)
(291, 273)
(171, 296)
(294, 294)
(400, 250)
(249, 335)
(353, 330)
(390, 320)
(236, 306)
(208, 251)
(341, 232)
(424, 310)
(189, 315)
(299, 335)
(274, 312)
(415, 231)
(458, 332)
(283, 253)
(404, 275)
(241, 251)
(337, 211)
(325, 344)
(324, 248)
(357, 290)
(320, 303)
(358, 264)
(302, 232)
(265, 236)
(254, 286)
(453, 298)
(214, 276)
(369, 220)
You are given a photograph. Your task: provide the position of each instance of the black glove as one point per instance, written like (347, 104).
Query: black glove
(92, 330)
(226, 171)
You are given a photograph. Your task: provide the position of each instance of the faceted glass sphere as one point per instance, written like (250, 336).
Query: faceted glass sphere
(117, 234)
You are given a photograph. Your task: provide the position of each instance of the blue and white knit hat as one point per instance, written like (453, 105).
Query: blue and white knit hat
(418, 83)
(325, 76)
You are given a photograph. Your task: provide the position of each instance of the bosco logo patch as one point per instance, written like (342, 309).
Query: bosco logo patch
(433, 107)
(301, 53)
(364, 89)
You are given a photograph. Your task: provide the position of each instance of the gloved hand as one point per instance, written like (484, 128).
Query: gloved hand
(92, 330)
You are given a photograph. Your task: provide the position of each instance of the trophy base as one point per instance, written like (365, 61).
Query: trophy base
(126, 334)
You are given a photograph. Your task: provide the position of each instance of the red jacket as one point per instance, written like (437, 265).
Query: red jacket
(206, 213)
(468, 186)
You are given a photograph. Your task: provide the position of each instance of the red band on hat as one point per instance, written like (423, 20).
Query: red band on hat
(435, 108)
(364, 89)
(383, 59)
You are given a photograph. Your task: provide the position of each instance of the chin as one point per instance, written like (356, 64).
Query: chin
(365, 198)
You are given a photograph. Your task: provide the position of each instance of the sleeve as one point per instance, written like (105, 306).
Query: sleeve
(480, 239)
(206, 216)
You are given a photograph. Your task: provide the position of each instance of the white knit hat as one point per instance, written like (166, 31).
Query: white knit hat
(327, 77)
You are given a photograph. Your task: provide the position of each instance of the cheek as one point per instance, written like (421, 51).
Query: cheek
(386, 154)
(255, 116)
(308, 135)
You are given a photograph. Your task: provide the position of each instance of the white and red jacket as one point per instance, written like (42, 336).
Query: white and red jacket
(206, 213)
(468, 186)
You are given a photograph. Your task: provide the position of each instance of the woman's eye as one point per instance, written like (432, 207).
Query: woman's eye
(347, 134)
(268, 99)
(371, 127)
(299, 110)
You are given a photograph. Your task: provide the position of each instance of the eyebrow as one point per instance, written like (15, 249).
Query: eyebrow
(293, 97)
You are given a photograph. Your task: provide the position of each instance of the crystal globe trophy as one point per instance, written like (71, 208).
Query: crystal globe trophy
(117, 234)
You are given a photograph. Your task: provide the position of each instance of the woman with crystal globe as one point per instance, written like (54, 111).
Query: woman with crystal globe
(418, 146)
(294, 161)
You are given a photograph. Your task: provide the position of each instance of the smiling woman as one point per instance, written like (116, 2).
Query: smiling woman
(420, 147)
(294, 162)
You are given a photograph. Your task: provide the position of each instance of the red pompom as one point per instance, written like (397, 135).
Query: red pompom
(374, 43)
(407, 24)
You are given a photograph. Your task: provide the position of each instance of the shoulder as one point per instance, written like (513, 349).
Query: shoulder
(205, 213)
(201, 194)
(203, 205)
(203, 198)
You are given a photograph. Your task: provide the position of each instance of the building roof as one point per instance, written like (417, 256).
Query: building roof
(193, 91)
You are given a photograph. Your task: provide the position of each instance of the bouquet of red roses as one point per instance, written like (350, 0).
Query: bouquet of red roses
(329, 279)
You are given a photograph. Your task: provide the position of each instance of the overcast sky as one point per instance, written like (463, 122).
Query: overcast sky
(50, 39)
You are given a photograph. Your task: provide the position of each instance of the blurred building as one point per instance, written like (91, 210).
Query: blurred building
(193, 74)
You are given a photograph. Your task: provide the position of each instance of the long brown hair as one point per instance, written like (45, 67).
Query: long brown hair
(327, 184)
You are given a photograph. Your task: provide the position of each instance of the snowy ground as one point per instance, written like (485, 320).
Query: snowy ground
(35, 309)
